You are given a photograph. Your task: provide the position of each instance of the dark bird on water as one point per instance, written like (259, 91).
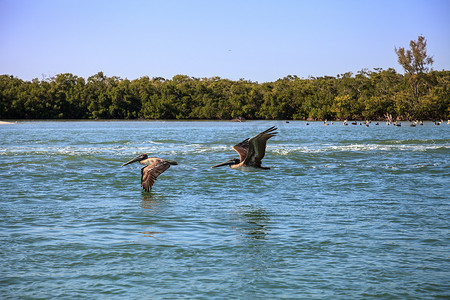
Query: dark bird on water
(154, 167)
(251, 152)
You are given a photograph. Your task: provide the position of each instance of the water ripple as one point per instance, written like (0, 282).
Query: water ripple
(344, 212)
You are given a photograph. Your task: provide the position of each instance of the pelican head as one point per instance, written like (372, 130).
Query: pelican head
(140, 157)
(145, 160)
(230, 162)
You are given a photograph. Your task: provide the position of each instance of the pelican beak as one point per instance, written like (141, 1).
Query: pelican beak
(173, 163)
(137, 158)
(227, 163)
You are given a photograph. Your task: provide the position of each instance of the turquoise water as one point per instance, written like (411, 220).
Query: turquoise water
(346, 212)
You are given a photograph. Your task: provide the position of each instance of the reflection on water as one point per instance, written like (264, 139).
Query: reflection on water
(151, 234)
(253, 222)
(150, 202)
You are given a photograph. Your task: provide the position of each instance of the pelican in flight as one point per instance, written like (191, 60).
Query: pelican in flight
(154, 167)
(251, 152)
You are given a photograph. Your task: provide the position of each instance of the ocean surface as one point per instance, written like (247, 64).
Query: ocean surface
(345, 212)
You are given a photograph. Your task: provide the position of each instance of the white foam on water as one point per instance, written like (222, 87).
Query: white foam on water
(287, 150)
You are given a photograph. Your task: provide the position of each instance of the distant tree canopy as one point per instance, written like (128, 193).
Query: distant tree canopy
(415, 60)
(419, 94)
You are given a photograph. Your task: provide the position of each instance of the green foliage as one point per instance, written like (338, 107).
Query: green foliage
(366, 95)
(415, 60)
(419, 94)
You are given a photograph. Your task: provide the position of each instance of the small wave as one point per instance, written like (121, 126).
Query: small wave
(357, 148)
(158, 148)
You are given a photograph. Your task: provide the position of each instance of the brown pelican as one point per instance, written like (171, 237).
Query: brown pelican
(251, 151)
(154, 167)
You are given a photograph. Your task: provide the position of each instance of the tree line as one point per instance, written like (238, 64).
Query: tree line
(367, 95)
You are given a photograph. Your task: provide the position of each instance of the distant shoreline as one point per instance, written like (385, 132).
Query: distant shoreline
(366, 96)
(15, 121)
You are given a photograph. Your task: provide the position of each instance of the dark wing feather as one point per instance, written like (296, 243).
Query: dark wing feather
(242, 149)
(151, 172)
(257, 147)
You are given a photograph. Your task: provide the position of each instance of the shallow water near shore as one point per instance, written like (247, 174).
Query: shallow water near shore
(345, 212)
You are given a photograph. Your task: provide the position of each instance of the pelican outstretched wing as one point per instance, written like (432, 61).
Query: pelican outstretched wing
(151, 172)
(257, 147)
(242, 149)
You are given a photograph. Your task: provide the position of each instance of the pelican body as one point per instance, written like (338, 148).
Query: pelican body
(154, 167)
(251, 152)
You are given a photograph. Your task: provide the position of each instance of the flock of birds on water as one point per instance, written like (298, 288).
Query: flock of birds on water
(251, 152)
(389, 122)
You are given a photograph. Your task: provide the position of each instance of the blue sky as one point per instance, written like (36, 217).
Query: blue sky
(255, 40)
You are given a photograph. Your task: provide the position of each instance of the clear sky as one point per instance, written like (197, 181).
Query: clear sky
(258, 40)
